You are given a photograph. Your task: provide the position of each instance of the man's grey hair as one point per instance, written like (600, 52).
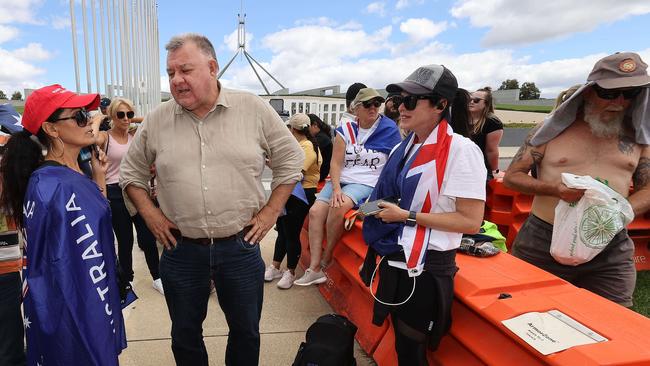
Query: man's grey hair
(201, 41)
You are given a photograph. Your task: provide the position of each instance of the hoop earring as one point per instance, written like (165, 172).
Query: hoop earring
(62, 148)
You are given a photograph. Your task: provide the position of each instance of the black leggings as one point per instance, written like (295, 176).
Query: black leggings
(289, 227)
(123, 226)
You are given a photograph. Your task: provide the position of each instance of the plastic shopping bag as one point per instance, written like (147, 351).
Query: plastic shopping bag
(584, 228)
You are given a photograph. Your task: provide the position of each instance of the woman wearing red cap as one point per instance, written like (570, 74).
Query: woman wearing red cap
(70, 288)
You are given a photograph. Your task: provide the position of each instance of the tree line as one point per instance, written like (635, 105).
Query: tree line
(15, 96)
(527, 90)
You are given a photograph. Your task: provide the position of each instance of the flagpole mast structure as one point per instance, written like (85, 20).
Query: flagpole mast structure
(131, 65)
(241, 50)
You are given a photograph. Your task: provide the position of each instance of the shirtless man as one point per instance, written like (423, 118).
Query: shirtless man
(593, 133)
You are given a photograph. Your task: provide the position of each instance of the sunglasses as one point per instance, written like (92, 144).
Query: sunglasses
(129, 114)
(371, 103)
(610, 94)
(81, 117)
(476, 100)
(410, 101)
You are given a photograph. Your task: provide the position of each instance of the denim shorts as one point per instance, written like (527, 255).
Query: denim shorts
(357, 192)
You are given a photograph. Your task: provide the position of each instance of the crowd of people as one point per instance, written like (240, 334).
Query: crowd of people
(423, 154)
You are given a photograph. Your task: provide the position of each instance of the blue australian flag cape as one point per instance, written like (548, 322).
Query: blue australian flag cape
(383, 139)
(71, 297)
(10, 120)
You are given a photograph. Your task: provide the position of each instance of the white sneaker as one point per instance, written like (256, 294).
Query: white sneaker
(286, 281)
(311, 278)
(157, 285)
(271, 273)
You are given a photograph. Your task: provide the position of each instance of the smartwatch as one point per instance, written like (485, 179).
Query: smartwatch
(410, 221)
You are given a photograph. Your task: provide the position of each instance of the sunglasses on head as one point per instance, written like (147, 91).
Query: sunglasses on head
(410, 101)
(476, 100)
(129, 114)
(371, 103)
(81, 117)
(610, 94)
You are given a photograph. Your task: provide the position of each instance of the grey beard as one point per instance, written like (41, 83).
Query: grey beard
(602, 128)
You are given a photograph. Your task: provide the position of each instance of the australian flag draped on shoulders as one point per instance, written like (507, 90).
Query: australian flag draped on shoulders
(71, 298)
(382, 138)
(417, 181)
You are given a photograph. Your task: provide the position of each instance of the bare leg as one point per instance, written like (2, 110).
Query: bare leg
(335, 220)
(317, 218)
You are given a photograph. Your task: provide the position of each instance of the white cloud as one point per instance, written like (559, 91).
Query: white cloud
(401, 4)
(19, 11)
(307, 57)
(16, 74)
(231, 41)
(420, 29)
(378, 8)
(32, 52)
(323, 21)
(60, 22)
(515, 22)
(7, 33)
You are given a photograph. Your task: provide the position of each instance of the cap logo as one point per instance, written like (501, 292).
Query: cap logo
(58, 90)
(627, 65)
(423, 76)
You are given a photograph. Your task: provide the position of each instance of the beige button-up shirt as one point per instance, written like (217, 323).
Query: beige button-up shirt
(209, 170)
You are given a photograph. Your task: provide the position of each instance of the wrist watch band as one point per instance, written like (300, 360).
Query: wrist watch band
(410, 221)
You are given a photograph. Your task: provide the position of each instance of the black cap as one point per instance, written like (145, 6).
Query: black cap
(352, 92)
(104, 103)
(430, 79)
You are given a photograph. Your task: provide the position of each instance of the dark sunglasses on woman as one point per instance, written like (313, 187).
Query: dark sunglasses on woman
(476, 100)
(81, 117)
(610, 94)
(129, 114)
(410, 101)
(371, 103)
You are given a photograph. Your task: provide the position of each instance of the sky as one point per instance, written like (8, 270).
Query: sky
(308, 44)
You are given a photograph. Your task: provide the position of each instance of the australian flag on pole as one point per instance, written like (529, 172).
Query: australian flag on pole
(70, 289)
(10, 120)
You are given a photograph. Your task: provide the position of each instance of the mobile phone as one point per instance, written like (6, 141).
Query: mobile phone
(371, 208)
(95, 149)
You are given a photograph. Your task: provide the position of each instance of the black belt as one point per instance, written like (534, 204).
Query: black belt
(208, 241)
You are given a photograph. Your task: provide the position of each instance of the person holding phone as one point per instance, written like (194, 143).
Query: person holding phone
(71, 298)
(439, 178)
(115, 143)
(361, 148)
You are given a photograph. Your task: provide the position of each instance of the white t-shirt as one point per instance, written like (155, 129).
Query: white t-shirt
(464, 178)
(361, 165)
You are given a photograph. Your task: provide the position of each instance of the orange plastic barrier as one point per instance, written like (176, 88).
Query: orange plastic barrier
(477, 336)
(509, 209)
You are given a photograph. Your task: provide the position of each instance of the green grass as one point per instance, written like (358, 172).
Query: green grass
(524, 108)
(519, 125)
(20, 109)
(642, 294)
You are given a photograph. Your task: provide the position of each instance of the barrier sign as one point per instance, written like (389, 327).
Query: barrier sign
(551, 331)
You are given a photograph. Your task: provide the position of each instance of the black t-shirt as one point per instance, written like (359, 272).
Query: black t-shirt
(491, 124)
(325, 146)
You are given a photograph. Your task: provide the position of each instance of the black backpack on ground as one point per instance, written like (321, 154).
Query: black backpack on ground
(329, 342)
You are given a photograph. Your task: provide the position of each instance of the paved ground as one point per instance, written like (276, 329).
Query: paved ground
(286, 315)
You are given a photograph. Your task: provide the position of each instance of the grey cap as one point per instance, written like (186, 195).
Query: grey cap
(620, 70)
(429, 79)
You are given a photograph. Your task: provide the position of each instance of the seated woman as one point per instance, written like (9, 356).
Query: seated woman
(73, 313)
(360, 151)
(486, 128)
(438, 177)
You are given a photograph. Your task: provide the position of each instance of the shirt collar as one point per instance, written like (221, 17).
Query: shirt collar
(222, 100)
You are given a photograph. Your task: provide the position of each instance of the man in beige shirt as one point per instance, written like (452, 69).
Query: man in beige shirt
(209, 145)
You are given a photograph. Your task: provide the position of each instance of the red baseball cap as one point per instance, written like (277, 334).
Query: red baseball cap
(41, 103)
